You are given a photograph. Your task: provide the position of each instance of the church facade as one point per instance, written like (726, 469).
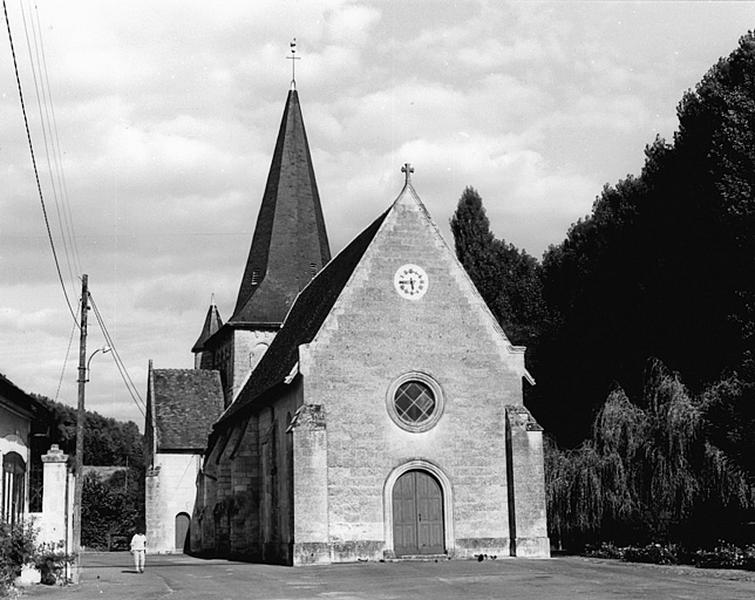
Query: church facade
(372, 404)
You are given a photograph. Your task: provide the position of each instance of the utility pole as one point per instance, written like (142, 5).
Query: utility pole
(80, 416)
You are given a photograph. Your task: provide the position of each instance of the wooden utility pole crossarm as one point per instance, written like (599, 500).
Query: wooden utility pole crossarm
(80, 416)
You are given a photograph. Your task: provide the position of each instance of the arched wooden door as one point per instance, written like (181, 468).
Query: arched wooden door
(417, 515)
(182, 528)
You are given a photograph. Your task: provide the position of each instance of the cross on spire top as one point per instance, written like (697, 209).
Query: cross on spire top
(407, 170)
(293, 58)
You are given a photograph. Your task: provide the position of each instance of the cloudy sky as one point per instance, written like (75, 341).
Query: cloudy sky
(167, 114)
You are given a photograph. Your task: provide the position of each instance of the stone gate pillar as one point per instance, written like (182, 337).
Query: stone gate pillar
(56, 491)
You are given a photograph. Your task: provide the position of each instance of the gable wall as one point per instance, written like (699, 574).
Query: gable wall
(170, 490)
(374, 336)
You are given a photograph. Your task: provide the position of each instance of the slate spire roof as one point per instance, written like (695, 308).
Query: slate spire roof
(212, 323)
(290, 244)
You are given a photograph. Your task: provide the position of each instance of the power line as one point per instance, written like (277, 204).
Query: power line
(34, 164)
(65, 361)
(132, 390)
(52, 125)
(42, 107)
(38, 62)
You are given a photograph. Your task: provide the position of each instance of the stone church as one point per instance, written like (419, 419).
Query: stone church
(365, 406)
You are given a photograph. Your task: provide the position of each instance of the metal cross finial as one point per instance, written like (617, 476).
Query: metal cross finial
(407, 170)
(293, 58)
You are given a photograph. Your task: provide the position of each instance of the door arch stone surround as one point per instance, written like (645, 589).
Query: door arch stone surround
(418, 464)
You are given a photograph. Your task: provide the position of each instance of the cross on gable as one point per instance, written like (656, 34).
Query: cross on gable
(407, 170)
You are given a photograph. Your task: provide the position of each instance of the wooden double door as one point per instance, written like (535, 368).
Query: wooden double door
(417, 515)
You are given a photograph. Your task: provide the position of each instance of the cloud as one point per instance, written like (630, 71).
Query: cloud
(167, 116)
(351, 24)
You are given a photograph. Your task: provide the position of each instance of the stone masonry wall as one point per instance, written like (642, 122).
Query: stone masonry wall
(248, 349)
(170, 490)
(374, 336)
(246, 489)
(205, 518)
(245, 475)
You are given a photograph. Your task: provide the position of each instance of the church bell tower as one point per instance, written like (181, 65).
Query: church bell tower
(289, 246)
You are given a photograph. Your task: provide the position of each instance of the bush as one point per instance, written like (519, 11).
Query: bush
(654, 554)
(17, 546)
(604, 550)
(51, 560)
(726, 556)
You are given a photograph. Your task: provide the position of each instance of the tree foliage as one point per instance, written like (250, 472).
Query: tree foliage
(112, 509)
(107, 441)
(663, 266)
(648, 471)
(506, 277)
(729, 411)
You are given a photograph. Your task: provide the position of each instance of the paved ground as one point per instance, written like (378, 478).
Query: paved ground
(181, 577)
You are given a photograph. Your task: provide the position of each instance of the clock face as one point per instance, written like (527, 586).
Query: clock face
(410, 282)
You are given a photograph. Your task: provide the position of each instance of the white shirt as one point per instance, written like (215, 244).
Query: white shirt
(138, 542)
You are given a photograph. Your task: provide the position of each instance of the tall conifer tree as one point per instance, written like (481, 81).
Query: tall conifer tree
(475, 244)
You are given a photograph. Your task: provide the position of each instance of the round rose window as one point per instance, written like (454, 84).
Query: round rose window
(415, 402)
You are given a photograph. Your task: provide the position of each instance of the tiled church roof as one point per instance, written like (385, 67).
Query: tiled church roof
(186, 403)
(303, 322)
(212, 323)
(290, 244)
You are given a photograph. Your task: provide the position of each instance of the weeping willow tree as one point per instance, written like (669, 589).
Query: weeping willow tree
(644, 473)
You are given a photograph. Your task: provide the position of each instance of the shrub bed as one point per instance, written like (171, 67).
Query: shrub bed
(724, 555)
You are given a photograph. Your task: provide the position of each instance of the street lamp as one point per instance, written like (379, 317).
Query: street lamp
(104, 350)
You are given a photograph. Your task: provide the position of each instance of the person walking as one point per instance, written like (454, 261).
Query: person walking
(139, 549)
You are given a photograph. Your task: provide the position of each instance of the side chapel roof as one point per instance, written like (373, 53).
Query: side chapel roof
(185, 404)
(290, 243)
(303, 322)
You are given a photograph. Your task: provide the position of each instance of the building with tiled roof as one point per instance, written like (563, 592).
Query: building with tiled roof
(182, 405)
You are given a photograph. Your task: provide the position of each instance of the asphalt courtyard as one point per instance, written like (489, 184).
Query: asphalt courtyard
(179, 577)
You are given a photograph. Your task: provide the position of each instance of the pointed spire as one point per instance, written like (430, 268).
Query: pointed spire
(290, 244)
(212, 323)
